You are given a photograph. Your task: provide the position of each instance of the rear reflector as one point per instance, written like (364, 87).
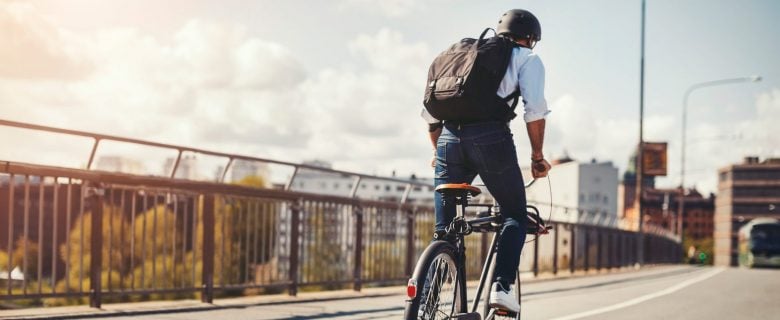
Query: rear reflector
(411, 288)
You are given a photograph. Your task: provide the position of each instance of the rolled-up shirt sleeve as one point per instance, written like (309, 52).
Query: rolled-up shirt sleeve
(531, 83)
(428, 117)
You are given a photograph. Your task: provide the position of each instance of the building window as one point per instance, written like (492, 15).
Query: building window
(335, 185)
(376, 187)
(387, 187)
(400, 188)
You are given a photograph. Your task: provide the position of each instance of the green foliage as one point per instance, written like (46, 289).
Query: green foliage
(153, 233)
(18, 257)
(325, 257)
(78, 244)
(4, 261)
(252, 181)
(706, 246)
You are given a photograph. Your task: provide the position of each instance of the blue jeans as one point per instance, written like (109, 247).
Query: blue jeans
(488, 150)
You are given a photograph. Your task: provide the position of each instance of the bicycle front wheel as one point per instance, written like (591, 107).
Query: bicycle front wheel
(438, 295)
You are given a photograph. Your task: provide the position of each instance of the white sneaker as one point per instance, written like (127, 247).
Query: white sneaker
(502, 299)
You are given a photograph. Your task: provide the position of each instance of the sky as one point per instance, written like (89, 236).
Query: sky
(342, 80)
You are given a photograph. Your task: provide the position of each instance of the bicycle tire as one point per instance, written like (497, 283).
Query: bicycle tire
(438, 262)
(486, 294)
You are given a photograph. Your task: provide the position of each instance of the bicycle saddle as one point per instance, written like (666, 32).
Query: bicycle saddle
(455, 188)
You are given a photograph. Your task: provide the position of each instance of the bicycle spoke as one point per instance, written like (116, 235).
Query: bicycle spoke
(438, 294)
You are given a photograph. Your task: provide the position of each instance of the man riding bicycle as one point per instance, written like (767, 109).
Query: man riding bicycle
(483, 146)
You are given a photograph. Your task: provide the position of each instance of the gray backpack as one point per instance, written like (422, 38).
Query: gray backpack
(463, 80)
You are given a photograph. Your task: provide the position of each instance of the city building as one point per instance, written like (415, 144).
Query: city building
(746, 191)
(627, 194)
(240, 170)
(187, 169)
(660, 207)
(324, 182)
(120, 164)
(583, 192)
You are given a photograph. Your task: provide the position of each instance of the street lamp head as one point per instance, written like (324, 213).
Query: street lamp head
(755, 78)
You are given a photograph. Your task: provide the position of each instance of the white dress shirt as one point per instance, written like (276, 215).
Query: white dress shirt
(525, 72)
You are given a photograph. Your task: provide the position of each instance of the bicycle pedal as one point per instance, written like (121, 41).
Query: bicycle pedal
(505, 313)
(467, 316)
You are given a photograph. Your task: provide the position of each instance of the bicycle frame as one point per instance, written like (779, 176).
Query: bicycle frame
(461, 228)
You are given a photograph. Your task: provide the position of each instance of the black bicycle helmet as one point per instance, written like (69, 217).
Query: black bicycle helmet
(519, 24)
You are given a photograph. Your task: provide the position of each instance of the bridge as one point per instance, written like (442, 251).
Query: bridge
(86, 236)
(661, 292)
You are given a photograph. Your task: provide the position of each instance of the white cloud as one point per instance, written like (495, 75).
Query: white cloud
(214, 86)
(715, 145)
(211, 86)
(586, 132)
(32, 48)
(390, 8)
(368, 119)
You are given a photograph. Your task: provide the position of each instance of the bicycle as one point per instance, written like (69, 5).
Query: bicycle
(441, 269)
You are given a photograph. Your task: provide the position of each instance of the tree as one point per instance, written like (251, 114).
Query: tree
(77, 247)
(705, 245)
(18, 257)
(252, 181)
(4, 261)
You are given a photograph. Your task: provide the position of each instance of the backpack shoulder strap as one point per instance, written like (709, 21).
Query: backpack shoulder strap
(513, 96)
(481, 37)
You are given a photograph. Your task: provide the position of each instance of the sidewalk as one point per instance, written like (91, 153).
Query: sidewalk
(161, 307)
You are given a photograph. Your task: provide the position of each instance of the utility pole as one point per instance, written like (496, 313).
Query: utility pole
(640, 152)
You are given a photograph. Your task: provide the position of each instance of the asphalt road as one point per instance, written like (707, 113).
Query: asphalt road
(659, 293)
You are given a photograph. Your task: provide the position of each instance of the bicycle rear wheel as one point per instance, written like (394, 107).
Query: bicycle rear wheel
(438, 295)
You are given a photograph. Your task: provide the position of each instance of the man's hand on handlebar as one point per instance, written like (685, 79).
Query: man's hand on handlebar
(540, 168)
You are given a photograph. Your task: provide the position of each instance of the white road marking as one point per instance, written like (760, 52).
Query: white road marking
(641, 298)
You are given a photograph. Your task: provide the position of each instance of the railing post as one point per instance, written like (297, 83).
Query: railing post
(207, 276)
(599, 251)
(621, 253)
(410, 254)
(555, 250)
(295, 222)
(572, 248)
(610, 250)
(587, 249)
(358, 271)
(95, 199)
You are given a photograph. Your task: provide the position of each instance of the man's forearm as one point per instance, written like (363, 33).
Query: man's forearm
(434, 135)
(536, 136)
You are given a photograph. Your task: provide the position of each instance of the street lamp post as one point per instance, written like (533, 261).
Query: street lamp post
(639, 155)
(681, 203)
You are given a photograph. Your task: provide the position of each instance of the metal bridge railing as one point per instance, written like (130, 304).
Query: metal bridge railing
(71, 236)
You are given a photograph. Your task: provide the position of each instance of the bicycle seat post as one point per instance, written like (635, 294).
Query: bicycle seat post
(461, 202)
(460, 192)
